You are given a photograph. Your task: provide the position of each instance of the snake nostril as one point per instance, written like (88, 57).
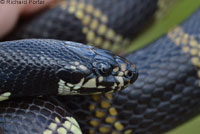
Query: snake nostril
(129, 74)
(132, 74)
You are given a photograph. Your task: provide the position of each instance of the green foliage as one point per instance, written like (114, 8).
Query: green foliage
(178, 10)
(191, 127)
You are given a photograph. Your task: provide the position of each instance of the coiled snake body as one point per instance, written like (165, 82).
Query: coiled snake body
(165, 95)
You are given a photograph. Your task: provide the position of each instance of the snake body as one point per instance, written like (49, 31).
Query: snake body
(165, 95)
(90, 22)
(52, 67)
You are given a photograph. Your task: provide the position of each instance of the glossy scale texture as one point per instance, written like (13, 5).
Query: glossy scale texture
(165, 95)
(109, 25)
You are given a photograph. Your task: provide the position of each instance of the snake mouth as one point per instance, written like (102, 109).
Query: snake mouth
(87, 91)
(119, 85)
(99, 85)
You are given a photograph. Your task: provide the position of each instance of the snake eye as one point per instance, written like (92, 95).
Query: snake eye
(104, 68)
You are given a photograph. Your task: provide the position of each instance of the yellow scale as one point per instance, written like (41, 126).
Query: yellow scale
(110, 118)
(94, 26)
(189, 45)
(70, 124)
(100, 35)
(97, 33)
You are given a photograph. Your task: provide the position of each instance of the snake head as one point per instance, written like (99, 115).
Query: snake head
(93, 71)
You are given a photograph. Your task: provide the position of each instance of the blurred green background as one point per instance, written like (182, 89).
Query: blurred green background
(170, 13)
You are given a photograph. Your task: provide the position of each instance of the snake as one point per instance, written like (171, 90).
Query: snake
(53, 67)
(165, 95)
